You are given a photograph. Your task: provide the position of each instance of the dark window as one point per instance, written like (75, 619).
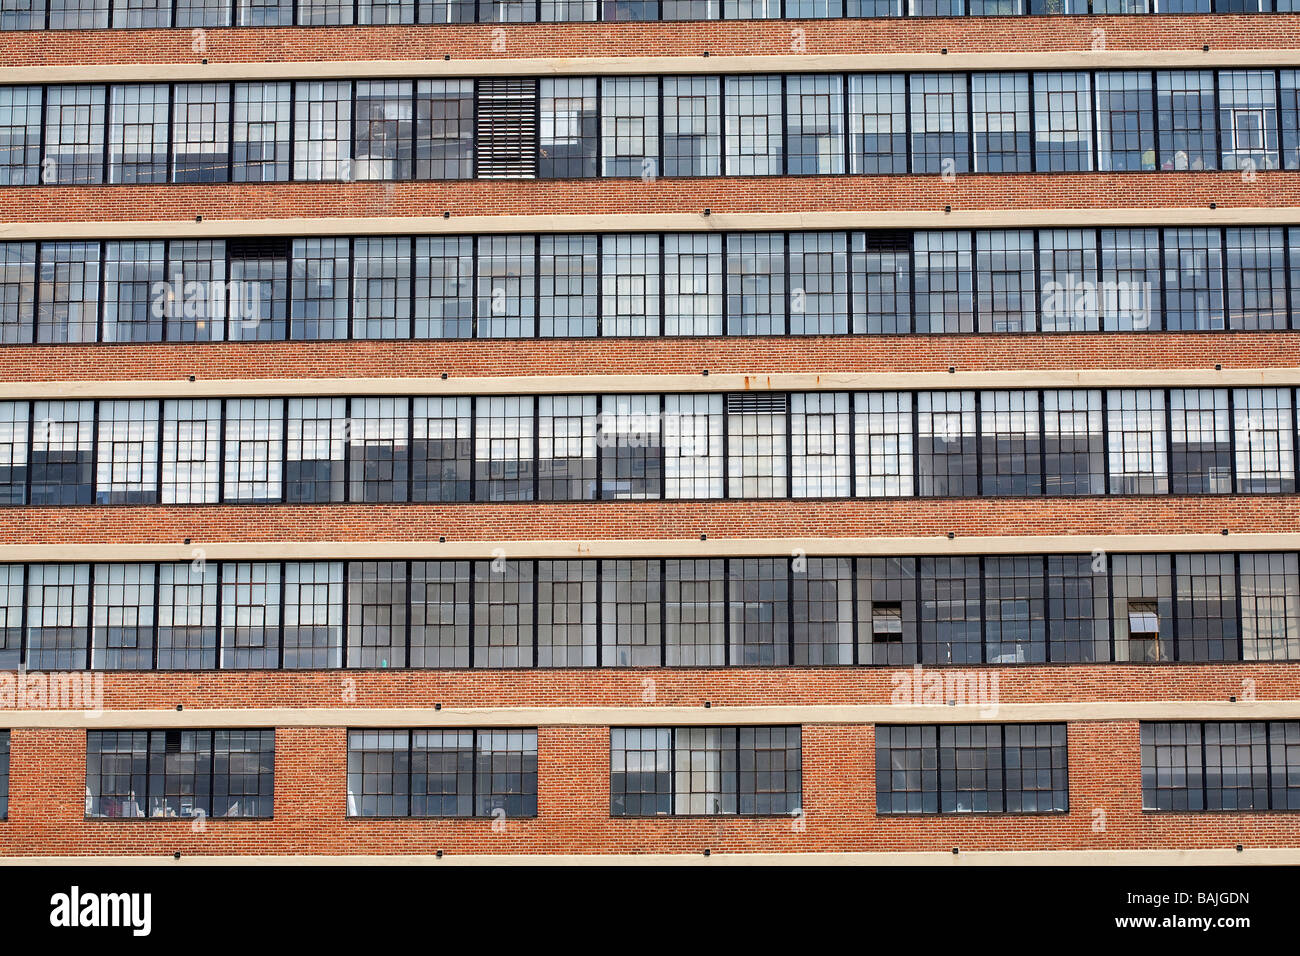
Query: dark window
(1015, 611)
(569, 132)
(62, 453)
(1074, 449)
(1126, 136)
(1144, 607)
(1000, 104)
(444, 129)
(379, 450)
(631, 613)
(504, 608)
(1220, 766)
(1009, 439)
(1077, 608)
(1200, 453)
(313, 614)
(950, 611)
(442, 453)
(1185, 119)
(440, 608)
(566, 614)
(759, 611)
(376, 613)
(1206, 596)
(887, 611)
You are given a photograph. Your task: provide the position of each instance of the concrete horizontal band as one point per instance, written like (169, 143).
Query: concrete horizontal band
(795, 220)
(641, 716)
(651, 548)
(1082, 59)
(650, 383)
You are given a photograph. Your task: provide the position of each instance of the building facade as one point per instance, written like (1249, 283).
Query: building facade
(634, 428)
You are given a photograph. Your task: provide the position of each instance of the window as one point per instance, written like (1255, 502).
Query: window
(1185, 118)
(1009, 441)
(1248, 119)
(317, 434)
(261, 135)
(1226, 765)
(1078, 617)
(753, 112)
(137, 133)
(877, 123)
(381, 288)
(58, 616)
(69, 292)
(194, 300)
(946, 454)
(566, 613)
(630, 127)
(759, 611)
(259, 289)
(1265, 453)
(444, 129)
(630, 446)
(319, 294)
(20, 135)
(881, 279)
(4, 775)
(695, 612)
(950, 611)
(14, 420)
(442, 451)
(882, 441)
(1068, 280)
(187, 616)
(180, 773)
(506, 277)
(940, 131)
(631, 595)
(944, 291)
(693, 284)
(1206, 596)
(819, 294)
(322, 127)
(1130, 280)
(705, 771)
(444, 287)
(74, 131)
(756, 297)
(1143, 601)
(1193, 279)
(376, 602)
(1270, 607)
(250, 615)
(264, 13)
(446, 11)
(123, 637)
(1073, 447)
(1126, 136)
(62, 455)
(1000, 106)
(971, 768)
(202, 13)
(1062, 122)
(503, 613)
(568, 128)
(442, 773)
(17, 292)
(692, 436)
(135, 292)
(815, 117)
(821, 597)
(384, 129)
(379, 450)
(819, 431)
(1256, 267)
(504, 459)
(254, 449)
(757, 445)
(887, 611)
(568, 286)
(191, 451)
(440, 609)
(22, 15)
(1004, 263)
(566, 438)
(1200, 454)
(126, 471)
(630, 300)
(692, 134)
(1136, 442)
(201, 133)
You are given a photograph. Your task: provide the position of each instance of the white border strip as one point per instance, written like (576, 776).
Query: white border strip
(667, 383)
(434, 550)
(1082, 59)
(721, 221)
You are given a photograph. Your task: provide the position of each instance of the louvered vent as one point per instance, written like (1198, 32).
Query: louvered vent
(888, 240)
(507, 129)
(757, 403)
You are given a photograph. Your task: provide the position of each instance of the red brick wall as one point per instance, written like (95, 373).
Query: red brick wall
(47, 792)
(770, 37)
